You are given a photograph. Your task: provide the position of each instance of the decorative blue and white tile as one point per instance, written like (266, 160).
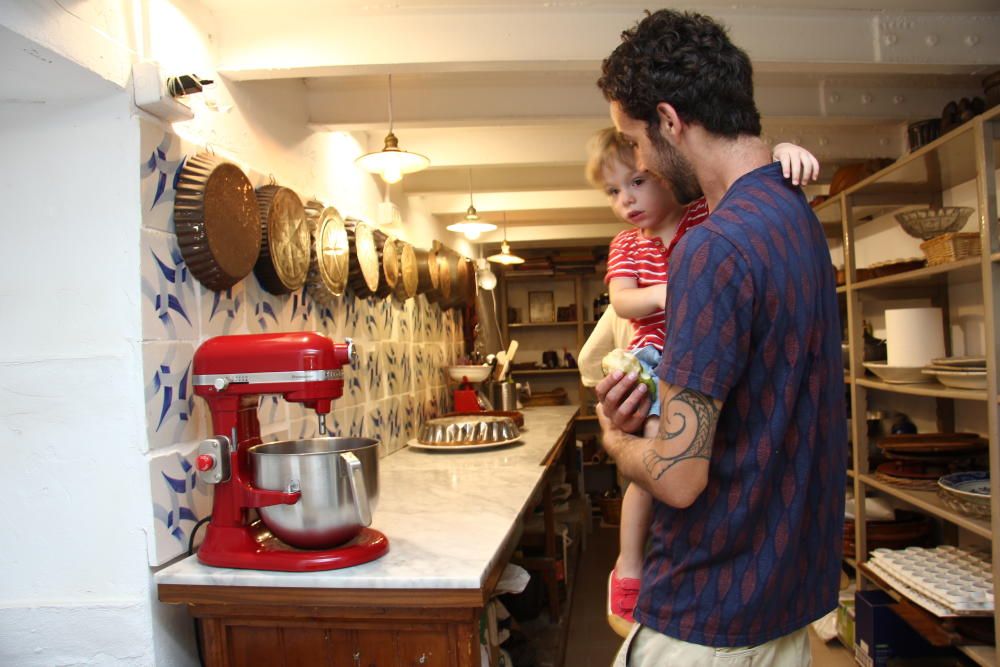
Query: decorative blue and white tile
(409, 418)
(432, 322)
(172, 414)
(266, 312)
(303, 429)
(382, 310)
(224, 312)
(349, 317)
(370, 355)
(400, 321)
(272, 413)
(275, 436)
(325, 322)
(302, 315)
(169, 304)
(394, 425)
(395, 368)
(376, 424)
(444, 399)
(180, 500)
(406, 364)
(161, 160)
(354, 422)
(419, 311)
(367, 327)
(355, 379)
(435, 357)
(432, 404)
(421, 367)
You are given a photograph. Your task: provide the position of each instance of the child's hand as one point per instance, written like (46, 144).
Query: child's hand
(797, 163)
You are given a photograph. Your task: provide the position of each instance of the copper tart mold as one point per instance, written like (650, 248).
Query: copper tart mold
(329, 265)
(215, 218)
(286, 245)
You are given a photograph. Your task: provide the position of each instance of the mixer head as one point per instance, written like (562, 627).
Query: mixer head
(305, 367)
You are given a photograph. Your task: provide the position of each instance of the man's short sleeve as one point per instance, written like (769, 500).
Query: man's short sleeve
(709, 315)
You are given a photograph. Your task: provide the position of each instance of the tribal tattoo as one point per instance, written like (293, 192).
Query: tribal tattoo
(685, 407)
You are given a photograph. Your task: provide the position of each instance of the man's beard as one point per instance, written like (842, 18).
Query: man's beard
(674, 169)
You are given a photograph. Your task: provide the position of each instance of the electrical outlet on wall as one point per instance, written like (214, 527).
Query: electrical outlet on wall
(149, 89)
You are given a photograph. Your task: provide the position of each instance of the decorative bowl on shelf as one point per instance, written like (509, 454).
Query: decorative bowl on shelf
(897, 374)
(927, 223)
(966, 492)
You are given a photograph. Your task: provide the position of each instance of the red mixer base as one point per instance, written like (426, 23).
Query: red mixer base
(255, 548)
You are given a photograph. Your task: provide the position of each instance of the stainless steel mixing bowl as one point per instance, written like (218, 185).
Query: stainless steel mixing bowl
(338, 478)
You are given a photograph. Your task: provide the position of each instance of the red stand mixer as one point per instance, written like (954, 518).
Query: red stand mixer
(231, 373)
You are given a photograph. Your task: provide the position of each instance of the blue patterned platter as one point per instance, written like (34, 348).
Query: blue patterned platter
(967, 484)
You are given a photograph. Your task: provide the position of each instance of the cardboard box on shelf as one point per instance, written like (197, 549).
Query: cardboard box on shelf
(880, 634)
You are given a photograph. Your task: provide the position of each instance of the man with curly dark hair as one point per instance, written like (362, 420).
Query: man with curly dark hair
(748, 467)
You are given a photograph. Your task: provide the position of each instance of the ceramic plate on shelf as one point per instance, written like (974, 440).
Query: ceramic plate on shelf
(959, 379)
(960, 362)
(416, 444)
(974, 484)
(897, 374)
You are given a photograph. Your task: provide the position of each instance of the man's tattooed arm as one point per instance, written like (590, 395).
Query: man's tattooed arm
(688, 420)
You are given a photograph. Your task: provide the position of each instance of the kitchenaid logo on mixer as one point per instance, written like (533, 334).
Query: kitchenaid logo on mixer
(220, 382)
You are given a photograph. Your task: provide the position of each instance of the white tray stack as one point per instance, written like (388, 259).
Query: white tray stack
(946, 581)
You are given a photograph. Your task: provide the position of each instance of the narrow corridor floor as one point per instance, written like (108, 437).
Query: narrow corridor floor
(592, 643)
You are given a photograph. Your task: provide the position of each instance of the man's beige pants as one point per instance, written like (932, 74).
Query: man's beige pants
(648, 648)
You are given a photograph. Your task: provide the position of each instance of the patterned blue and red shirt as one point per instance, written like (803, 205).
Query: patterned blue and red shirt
(752, 320)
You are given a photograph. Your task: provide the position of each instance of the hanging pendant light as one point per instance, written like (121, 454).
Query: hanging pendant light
(471, 225)
(392, 162)
(505, 256)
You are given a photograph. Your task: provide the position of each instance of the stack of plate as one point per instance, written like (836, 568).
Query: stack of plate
(959, 372)
(918, 460)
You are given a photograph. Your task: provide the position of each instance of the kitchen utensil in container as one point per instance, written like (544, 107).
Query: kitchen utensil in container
(285, 242)
(505, 396)
(338, 480)
(328, 269)
(215, 216)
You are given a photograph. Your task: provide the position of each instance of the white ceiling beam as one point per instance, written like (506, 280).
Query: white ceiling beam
(439, 103)
(327, 41)
(496, 202)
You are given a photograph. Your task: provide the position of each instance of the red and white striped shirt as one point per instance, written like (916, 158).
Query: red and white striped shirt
(632, 255)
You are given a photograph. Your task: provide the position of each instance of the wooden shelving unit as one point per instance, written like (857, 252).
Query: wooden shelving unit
(924, 178)
(567, 334)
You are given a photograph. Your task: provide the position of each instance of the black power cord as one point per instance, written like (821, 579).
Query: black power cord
(197, 628)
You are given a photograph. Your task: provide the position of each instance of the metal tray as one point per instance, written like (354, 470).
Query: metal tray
(468, 430)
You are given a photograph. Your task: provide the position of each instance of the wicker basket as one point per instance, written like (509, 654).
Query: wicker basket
(951, 247)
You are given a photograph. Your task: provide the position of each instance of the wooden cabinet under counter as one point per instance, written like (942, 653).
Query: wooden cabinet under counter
(452, 520)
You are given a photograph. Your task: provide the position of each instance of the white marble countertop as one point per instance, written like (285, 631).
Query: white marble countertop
(447, 515)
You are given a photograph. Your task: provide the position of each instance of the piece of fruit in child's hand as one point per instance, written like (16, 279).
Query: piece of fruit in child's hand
(624, 361)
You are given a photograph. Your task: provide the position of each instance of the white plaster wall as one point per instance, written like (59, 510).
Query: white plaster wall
(75, 588)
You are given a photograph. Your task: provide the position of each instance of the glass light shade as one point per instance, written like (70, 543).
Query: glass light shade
(391, 162)
(505, 256)
(471, 226)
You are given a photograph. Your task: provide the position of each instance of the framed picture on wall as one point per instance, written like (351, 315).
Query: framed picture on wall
(541, 307)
